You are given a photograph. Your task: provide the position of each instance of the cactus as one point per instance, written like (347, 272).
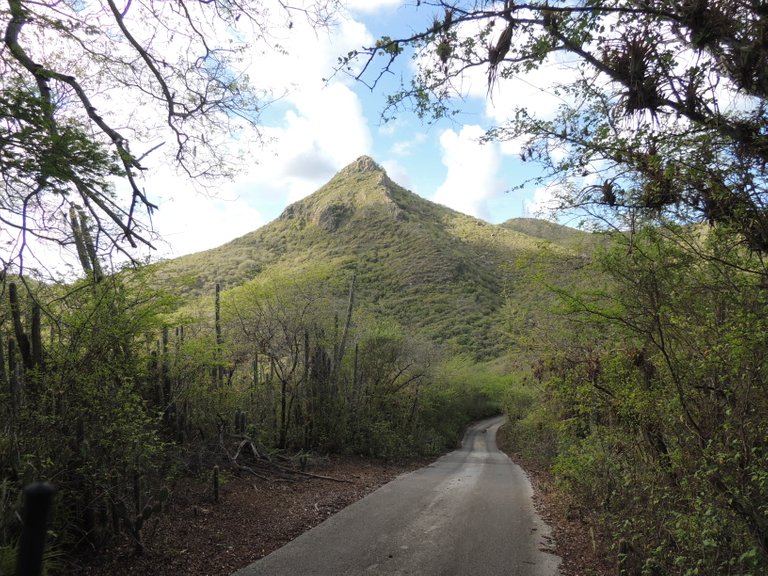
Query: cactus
(219, 339)
(77, 233)
(38, 501)
(165, 378)
(240, 422)
(86, 247)
(3, 374)
(113, 503)
(216, 483)
(136, 492)
(36, 333)
(135, 523)
(21, 337)
(5, 381)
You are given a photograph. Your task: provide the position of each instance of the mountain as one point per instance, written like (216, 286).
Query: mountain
(550, 231)
(443, 274)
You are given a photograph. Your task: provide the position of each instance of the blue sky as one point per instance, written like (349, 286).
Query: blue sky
(316, 128)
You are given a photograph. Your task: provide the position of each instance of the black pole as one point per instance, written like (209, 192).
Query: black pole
(37, 505)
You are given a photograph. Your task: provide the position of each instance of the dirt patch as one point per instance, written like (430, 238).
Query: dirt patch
(196, 536)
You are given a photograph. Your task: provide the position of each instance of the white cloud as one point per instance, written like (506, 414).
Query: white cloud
(405, 147)
(325, 131)
(534, 91)
(324, 127)
(314, 130)
(398, 173)
(473, 169)
(194, 222)
(514, 146)
(543, 204)
(370, 6)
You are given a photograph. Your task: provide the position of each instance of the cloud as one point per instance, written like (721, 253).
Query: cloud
(405, 147)
(313, 130)
(398, 173)
(535, 91)
(544, 203)
(190, 220)
(324, 131)
(473, 168)
(370, 6)
(322, 127)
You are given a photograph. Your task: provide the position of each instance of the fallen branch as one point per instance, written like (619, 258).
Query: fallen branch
(310, 475)
(261, 461)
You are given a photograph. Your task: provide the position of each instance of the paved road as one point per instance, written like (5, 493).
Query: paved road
(468, 514)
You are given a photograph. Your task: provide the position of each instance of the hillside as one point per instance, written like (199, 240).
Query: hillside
(443, 274)
(545, 230)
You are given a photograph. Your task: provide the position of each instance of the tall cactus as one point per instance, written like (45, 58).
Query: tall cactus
(165, 377)
(90, 247)
(22, 339)
(13, 376)
(82, 251)
(219, 338)
(36, 334)
(86, 247)
(3, 374)
(339, 351)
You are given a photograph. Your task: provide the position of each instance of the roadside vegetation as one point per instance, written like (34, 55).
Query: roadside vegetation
(650, 406)
(112, 390)
(632, 364)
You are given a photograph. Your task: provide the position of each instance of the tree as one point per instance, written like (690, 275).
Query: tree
(90, 90)
(662, 403)
(665, 114)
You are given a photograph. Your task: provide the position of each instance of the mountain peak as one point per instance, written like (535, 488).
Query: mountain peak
(362, 164)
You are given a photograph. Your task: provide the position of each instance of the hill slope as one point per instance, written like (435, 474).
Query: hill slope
(440, 273)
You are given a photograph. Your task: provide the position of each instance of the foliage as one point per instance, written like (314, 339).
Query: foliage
(433, 270)
(663, 104)
(82, 419)
(345, 341)
(176, 71)
(653, 406)
(661, 408)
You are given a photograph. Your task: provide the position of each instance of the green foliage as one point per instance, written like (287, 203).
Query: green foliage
(616, 145)
(81, 418)
(440, 273)
(354, 323)
(65, 139)
(661, 406)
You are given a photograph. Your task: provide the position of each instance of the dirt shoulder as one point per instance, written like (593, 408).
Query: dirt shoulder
(253, 517)
(582, 548)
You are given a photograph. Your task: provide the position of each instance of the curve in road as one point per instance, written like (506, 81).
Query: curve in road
(468, 513)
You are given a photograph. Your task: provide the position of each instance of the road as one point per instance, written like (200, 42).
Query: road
(469, 513)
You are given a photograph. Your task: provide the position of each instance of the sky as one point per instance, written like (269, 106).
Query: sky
(317, 127)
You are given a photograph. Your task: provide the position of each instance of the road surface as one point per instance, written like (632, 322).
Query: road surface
(468, 514)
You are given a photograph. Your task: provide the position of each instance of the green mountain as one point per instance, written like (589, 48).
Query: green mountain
(551, 231)
(451, 277)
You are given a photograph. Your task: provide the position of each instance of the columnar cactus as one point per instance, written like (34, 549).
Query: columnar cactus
(216, 483)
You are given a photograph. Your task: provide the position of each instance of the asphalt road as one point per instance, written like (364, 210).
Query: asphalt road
(469, 513)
